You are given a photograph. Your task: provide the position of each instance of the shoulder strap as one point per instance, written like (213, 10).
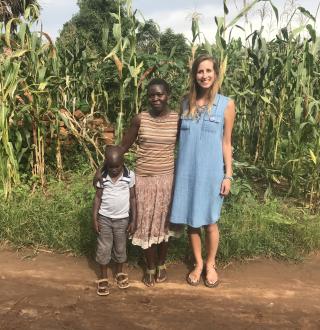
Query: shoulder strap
(126, 175)
(126, 172)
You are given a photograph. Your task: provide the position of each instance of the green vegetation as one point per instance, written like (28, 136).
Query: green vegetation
(15, 8)
(100, 65)
(61, 220)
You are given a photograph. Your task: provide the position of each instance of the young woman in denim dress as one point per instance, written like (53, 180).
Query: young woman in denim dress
(204, 165)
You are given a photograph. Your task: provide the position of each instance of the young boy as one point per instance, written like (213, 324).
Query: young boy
(113, 202)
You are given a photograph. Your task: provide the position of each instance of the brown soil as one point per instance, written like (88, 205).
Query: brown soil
(49, 291)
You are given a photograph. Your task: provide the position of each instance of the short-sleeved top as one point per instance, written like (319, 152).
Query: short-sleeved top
(115, 201)
(156, 144)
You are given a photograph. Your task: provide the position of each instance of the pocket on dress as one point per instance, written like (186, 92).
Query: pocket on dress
(211, 123)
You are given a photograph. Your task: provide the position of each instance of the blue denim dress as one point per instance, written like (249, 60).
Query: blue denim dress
(200, 167)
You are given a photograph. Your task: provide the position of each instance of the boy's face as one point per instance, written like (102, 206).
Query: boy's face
(115, 167)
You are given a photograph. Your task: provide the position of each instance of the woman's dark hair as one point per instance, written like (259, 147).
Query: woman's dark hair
(161, 82)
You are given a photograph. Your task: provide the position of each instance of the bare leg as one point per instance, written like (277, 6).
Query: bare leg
(103, 271)
(212, 243)
(162, 250)
(150, 255)
(195, 241)
(102, 283)
(118, 267)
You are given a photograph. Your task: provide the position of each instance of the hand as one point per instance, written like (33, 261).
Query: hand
(96, 227)
(131, 228)
(97, 177)
(225, 187)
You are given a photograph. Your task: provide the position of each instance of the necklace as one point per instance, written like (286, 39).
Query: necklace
(201, 109)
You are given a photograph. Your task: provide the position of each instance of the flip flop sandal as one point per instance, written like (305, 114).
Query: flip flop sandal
(191, 281)
(122, 283)
(148, 278)
(210, 284)
(102, 287)
(161, 268)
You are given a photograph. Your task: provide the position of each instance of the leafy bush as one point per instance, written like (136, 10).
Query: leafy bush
(60, 220)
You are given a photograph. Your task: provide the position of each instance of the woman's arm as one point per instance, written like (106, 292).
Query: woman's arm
(229, 116)
(131, 134)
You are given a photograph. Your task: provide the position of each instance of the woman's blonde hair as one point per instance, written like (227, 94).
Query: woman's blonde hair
(194, 88)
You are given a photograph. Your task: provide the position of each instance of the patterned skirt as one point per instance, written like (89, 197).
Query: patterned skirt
(153, 198)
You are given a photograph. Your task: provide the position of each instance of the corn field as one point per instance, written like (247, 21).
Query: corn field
(275, 85)
(277, 90)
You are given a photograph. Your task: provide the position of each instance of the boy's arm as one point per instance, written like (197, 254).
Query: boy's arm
(95, 209)
(96, 177)
(133, 211)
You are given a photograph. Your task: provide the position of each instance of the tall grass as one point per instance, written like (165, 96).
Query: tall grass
(40, 87)
(35, 84)
(275, 84)
(61, 220)
(276, 87)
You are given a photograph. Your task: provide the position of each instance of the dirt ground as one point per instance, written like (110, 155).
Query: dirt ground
(50, 291)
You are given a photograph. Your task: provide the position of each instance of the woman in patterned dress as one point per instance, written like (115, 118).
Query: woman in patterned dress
(204, 165)
(155, 132)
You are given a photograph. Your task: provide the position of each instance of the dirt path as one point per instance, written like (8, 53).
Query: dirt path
(49, 291)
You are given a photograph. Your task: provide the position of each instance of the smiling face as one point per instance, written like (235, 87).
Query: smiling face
(158, 98)
(205, 75)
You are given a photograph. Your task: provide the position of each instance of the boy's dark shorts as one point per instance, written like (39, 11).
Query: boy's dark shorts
(112, 240)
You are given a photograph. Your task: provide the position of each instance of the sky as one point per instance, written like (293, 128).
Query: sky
(176, 14)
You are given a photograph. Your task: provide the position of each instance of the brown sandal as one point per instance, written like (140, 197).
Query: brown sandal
(161, 268)
(148, 278)
(102, 287)
(208, 283)
(122, 280)
(194, 281)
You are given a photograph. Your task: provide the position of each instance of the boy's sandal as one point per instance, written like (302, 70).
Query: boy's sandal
(122, 280)
(102, 287)
(194, 281)
(148, 278)
(161, 270)
(211, 284)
